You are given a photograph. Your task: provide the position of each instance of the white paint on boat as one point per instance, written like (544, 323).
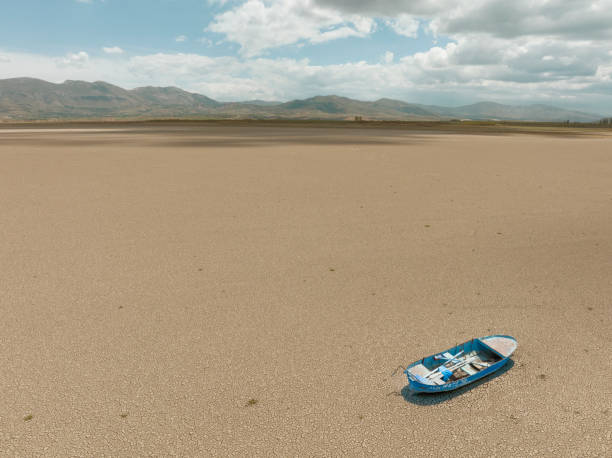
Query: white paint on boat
(505, 346)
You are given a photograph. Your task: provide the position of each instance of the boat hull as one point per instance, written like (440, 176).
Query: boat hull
(503, 359)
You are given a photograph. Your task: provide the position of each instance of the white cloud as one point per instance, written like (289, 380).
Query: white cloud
(429, 77)
(59, 69)
(113, 50)
(388, 57)
(341, 32)
(180, 39)
(404, 24)
(4, 58)
(495, 46)
(577, 19)
(79, 59)
(259, 25)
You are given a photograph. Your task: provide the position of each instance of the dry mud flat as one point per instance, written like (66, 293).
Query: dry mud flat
(219, 290)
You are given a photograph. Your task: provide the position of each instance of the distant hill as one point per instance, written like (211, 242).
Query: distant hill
(262, 103)
(33, 99)
(491, 110)
(27, 98)
(172, 97)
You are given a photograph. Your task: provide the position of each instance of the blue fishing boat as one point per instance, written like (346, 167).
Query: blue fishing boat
(460, 365)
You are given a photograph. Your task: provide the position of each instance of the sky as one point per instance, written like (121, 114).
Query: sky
(445, 52)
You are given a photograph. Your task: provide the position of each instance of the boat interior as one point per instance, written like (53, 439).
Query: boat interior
(456, 363)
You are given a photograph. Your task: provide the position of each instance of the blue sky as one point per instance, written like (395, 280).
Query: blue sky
(169, 26)
(57, 26)
(433, 51)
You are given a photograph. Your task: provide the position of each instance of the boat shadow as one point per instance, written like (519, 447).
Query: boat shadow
(429, 399)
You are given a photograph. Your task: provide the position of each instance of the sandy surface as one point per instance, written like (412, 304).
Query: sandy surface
(153, 283)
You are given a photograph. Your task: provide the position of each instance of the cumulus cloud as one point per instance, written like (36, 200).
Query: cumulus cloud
(404, 24)
(181, 38)
(533, 48)
(205, 41)
(79, 59)
(529, 48)
(568, 18)
(430, 77)
(259, 25)
(302, 19)
(72, 66)
(113, 50)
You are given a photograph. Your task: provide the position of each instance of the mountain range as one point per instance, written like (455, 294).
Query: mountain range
(34, 99)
